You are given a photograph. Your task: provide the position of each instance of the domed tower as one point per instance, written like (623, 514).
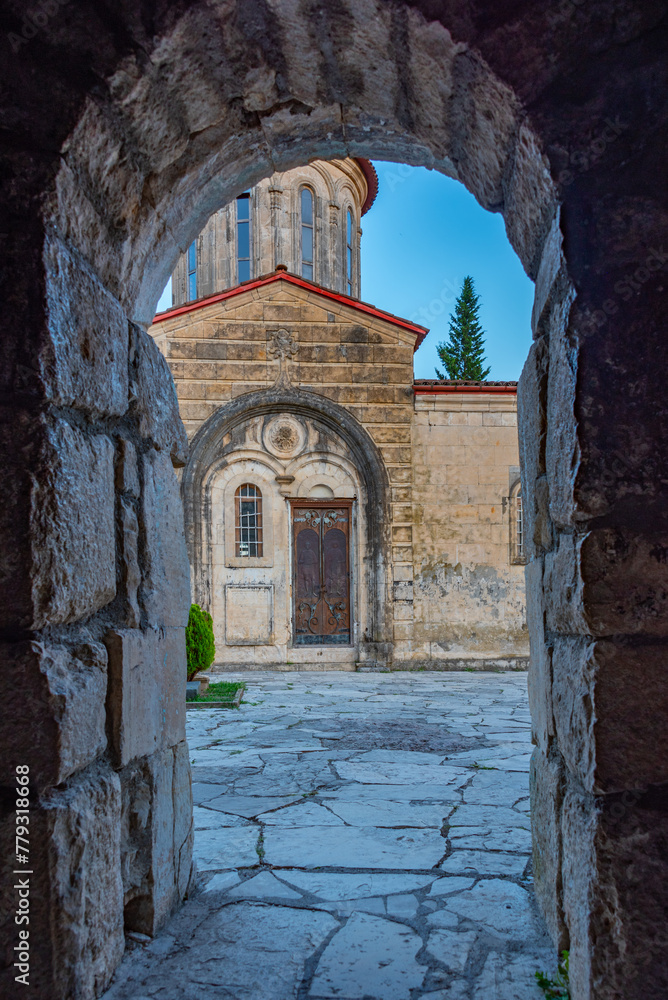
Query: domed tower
(307, 219)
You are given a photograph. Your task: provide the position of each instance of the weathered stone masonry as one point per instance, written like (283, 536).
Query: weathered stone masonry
(433, 576)
(128, 129)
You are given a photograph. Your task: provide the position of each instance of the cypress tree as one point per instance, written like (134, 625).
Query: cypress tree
(463, 356)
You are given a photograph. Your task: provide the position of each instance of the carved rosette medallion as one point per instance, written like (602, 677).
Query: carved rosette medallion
(284, 436)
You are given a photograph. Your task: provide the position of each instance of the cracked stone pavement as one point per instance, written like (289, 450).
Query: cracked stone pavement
(359, 837)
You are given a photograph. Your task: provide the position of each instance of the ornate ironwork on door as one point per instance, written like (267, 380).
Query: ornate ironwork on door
(321, 572)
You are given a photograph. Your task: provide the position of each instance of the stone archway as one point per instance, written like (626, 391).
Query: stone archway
(112, 171)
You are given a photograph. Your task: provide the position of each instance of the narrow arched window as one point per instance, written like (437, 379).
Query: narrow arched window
(192, 271)
(248, 521)
(243, 237)
(517, 539)
(307, 240)
(349, 252)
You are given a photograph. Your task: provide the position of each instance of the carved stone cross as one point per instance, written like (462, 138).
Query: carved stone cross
(282, 347)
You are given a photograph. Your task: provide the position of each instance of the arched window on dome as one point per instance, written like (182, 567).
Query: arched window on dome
(307, 240)
(192, 271)
(243, 237)
(349, 252)
(248, 522)
(517, 539)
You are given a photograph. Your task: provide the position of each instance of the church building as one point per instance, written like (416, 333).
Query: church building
(339, 513)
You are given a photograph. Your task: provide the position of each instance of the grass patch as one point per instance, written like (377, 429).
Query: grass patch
(221, 691)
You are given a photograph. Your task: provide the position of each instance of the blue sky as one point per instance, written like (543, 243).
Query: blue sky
(421, 238)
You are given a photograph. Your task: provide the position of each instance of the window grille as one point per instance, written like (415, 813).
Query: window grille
(243, 237)
(307, 233)
(517, 539)
(192, 271)
(248, 521)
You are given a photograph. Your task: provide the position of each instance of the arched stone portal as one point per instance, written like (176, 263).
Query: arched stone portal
(113, 169)
(334, 452)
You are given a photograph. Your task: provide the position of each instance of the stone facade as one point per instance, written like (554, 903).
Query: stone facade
(111, 173)
(469, 602)
(433, 582)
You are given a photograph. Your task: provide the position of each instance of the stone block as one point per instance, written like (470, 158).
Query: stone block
(73, 532)
(563, 591)
(562, 444)
(249, 615)
(539, 679)
(614, 894)
(146, 694)
(625, 582)
(402, 611)
(127, 473)
(53, 698)
(610, 705)
(85, 360)
(579, 828)
(184, 831)
(155, 398)
(608, 582)
(530, 201)
(157, 837)
(165, 591)
(76, 893)
(483, 126)
(130, 572)
(547, 787)
(403, 589)
(554, 292)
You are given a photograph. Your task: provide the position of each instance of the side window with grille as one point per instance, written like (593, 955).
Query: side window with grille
(517, 538)
(248, 522)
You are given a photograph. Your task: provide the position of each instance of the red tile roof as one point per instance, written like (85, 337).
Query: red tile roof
(432, 385)
(292, 279)
(369, 172)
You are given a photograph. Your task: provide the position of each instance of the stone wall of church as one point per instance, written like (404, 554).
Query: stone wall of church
(220, 352)
(454, 595)
(468, 588)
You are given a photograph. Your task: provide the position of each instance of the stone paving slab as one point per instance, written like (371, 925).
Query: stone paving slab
(358, 837)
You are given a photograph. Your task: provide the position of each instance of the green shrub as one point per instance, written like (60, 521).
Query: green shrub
(200, 645)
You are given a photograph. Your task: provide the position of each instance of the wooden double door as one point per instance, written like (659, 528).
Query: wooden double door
(321, 572)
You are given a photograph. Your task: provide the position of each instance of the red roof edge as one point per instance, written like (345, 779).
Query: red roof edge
(247, 286)
(425, 388)
(369, 172)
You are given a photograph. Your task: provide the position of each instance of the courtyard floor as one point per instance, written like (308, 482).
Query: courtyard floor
(359, 837)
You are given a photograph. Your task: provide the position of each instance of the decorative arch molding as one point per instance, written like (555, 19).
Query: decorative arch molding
(205, 459)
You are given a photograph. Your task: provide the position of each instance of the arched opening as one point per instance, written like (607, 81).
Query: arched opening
(139, 174)
(273, 433)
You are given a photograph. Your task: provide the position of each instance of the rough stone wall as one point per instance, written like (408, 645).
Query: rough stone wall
(365, 364)
(468, 594)
(456, 599)
(130, 126)
(93, 682)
